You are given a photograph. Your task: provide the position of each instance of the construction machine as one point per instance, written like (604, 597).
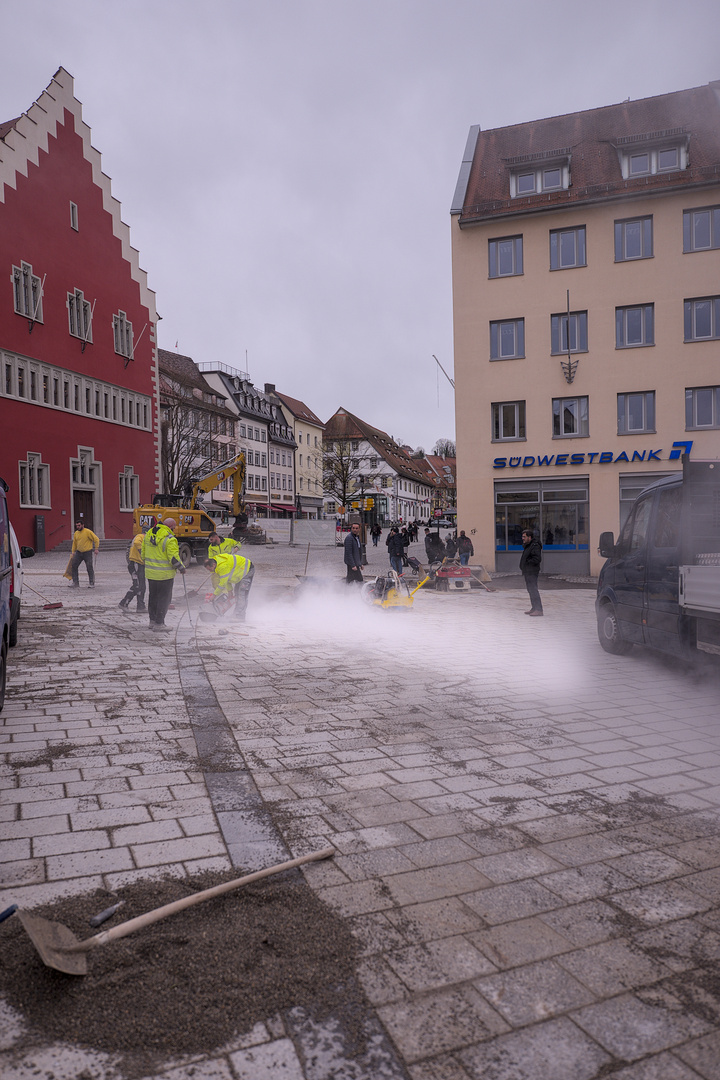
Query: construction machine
(194, 525)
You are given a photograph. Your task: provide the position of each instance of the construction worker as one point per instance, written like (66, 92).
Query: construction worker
(218, 546)
(136, 569)
(84, 540)
(161, 556)
(232, 574)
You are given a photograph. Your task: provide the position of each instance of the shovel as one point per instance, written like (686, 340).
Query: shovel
(60, 949)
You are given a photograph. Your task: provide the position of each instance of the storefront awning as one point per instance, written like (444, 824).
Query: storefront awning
(278, 506)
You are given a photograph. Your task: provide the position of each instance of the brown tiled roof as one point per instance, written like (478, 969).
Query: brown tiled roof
(344, 425)
(299, 409)
(591, 139)
(183, 369)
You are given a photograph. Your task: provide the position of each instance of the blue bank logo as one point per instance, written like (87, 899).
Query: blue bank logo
(597, 457)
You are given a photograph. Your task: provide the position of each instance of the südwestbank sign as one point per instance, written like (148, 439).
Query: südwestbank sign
(598, 457)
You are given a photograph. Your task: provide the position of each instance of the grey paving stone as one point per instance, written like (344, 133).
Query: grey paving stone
(445, 1020)
(665, 902)
(432, 883)
(663, 1066)
(439, 963)
(504, 903)
(586, 923)
(533, 992)
(629, 1028)
(613, 967)
(554, 1050)
(435, 919)
(702, 1055)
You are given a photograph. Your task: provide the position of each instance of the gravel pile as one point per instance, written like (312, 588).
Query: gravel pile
(192, 981)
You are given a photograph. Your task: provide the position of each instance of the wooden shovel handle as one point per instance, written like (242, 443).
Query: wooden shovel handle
(150, 917)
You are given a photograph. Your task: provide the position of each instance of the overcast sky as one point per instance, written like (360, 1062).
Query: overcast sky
(286, 167)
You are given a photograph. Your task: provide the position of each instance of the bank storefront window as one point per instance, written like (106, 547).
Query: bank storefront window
(555, 510)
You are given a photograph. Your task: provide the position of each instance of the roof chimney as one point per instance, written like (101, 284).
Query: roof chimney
(269, 388)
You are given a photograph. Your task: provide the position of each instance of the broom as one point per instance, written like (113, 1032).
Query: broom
(47, 606)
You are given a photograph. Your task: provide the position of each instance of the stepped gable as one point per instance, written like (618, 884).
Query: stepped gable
(23, 140)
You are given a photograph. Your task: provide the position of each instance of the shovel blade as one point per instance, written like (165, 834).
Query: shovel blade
(52, 941)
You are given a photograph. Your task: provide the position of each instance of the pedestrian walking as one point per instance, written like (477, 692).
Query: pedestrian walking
(161, 556)
(376, 533)
(84, 542)
(465, 548)
(353, 555)
(451, 546)
(232, 576)
(530, 568)
(396, 549)
(136, 569)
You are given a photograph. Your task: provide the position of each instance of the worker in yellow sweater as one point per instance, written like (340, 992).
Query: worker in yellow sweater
(84, 540)
(136, 569)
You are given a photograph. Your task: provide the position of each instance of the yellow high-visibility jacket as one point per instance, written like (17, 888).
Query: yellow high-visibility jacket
(84, 540)
(229, 570)
(228, 546)
(159, 549)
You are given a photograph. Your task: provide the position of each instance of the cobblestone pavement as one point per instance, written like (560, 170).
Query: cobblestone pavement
(526, 828)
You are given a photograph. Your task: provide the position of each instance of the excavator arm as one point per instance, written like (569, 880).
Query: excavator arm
(234, 470)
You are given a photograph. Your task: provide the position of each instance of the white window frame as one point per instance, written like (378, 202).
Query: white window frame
(579, 257)
(646, 238)
(690, 228)
(129, 484)
(34, 482)
(623, 412)
(496, 339)
(690, 318)
(503, 411)
(559, 333)
(691, 408)
(27, 292)
(74, 216)
(79, 316)
(648, 326)
(536, 178)
(511, 244)
(630, 159)
(123, 335)
(580, 416)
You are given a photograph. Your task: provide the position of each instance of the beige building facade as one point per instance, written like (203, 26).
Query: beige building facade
(586, 281)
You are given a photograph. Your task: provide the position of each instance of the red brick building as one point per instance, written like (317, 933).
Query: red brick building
(78, 375)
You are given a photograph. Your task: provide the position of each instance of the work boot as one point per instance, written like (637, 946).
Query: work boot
(141, 609)
(123, 604)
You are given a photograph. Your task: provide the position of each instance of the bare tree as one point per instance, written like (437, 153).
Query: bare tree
(186, 443)
(418, 452)
(345, 471)
(444, 448)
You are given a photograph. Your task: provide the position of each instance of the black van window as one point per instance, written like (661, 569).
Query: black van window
(640, 523)
(667, 525)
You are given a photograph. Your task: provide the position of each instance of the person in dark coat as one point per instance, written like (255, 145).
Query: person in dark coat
(353, 555)
(451, 546)
(434, 547)
(396, 549)
(530, 568)
(465, 548)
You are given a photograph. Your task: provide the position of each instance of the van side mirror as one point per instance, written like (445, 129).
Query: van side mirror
(606, 547)
(27, 552)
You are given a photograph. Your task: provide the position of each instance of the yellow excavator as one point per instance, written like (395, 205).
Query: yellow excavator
(194, 524)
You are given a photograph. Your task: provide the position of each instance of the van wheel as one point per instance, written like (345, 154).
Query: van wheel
(3, 672)
(12, 639)
(185, 554)
(609, 632)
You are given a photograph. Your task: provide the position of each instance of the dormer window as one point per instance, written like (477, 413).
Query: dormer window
(647, 155)
(551, 172)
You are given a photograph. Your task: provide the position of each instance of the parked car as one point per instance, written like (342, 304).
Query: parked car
(16, 583)
(442, 523)
(5, 584)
